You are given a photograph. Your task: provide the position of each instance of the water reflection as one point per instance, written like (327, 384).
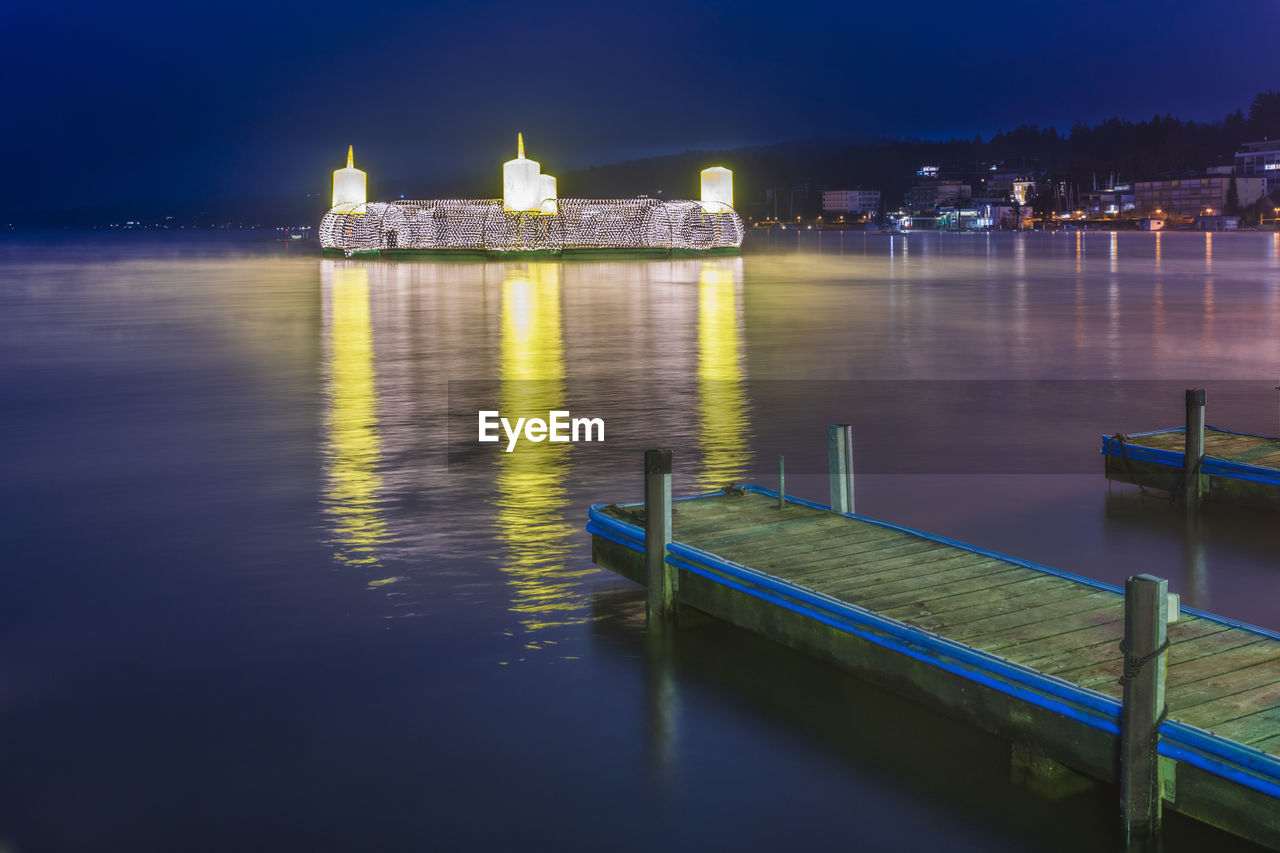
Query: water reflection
(1195, 572)
(353, 446)
(532, 499)
(722, 404)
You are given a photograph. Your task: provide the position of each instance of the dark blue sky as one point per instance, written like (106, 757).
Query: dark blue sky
(140, 103)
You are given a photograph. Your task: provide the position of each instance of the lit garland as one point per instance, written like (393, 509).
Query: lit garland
(483, 225)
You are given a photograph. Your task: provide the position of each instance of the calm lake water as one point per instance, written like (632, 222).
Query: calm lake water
(263, 590)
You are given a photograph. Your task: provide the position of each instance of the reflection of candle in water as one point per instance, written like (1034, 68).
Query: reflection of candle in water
(353, 446)
(722, 411)
(532, 498)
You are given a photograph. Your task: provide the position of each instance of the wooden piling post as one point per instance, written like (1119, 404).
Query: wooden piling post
(840, 466)
(1146, 616)
(660, 576)
(782, 482)
(1193, 455)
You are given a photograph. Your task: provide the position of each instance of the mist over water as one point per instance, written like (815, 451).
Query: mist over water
(263, 588)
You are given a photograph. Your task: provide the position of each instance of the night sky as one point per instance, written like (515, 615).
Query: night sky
(111, 106)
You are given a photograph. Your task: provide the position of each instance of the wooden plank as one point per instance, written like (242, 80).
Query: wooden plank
(1008, 592)
(1252, 729)
(865, 590)
(935, 559)
(1062, 663)
(983, 620)
(1260, 695)
(1270, 460)
(901, 582)
(1270, 743)
(765, 526)
(992, 634)
(864, 556)
(834, 549)
(1082, 635)
(817, 528)
(858, 575)
(1218, 665)
(1185, 659)
(1251, 455)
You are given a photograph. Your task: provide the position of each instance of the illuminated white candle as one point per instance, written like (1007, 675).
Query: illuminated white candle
(717, 189)
(349, 183)
(521, 184)
(547, 194)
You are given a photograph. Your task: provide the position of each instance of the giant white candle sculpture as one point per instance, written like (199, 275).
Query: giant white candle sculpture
(547, 194)
(717, 189)
(349, 183)
(521, 184)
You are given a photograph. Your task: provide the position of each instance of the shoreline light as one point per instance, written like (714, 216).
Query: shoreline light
(349, 184)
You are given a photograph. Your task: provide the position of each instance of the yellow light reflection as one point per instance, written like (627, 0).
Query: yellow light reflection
(532, 498)
(722, 411)
(351, 496)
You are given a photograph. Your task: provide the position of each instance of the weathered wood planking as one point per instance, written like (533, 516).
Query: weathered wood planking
(1238, 467)
(788, 572)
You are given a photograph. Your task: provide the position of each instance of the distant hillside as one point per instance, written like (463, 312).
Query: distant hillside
(794, 174)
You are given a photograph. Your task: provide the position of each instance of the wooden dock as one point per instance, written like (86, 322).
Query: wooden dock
(1225, 465)
(1237, 467)
(1022, 650)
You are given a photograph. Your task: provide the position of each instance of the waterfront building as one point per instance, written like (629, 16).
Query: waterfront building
(850, 201)
(1113, 201)
(1194, 196)
(1006, 184)
(1260, 160)
(931, 194)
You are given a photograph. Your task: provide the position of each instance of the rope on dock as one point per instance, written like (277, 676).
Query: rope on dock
(633, 517)
(1133, 665)
(1120, 439)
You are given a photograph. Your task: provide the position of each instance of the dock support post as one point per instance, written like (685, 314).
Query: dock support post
(840, 466)
(782, 482)
(660, 576)
(1146, 615)
(1193, 455)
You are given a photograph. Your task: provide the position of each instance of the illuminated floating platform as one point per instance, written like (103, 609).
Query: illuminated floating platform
(485, 228)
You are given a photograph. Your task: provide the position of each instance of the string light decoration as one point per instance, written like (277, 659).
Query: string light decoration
(485, 225)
